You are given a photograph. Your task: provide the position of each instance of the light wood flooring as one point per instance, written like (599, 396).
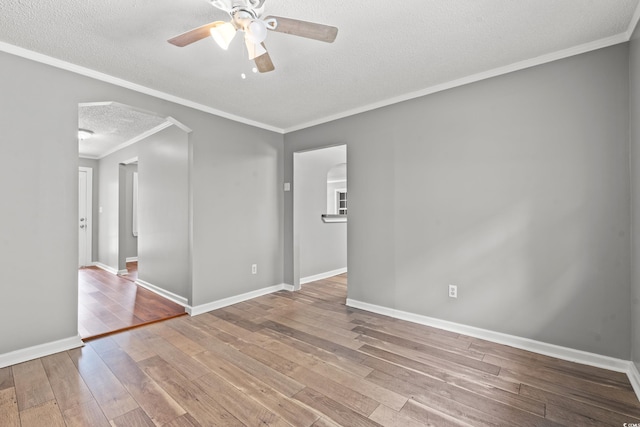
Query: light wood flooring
(303, 359)
(108, 303)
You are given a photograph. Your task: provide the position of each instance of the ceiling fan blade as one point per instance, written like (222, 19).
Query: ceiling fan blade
(263, 62)
(310, 30)
(194, 35)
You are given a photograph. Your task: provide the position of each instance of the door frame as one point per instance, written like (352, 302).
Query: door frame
(89, 210)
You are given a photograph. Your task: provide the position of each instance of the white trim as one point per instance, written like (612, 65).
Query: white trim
(179, 124)
(552, 350)
(554, 56)
(321, 276)
(633, 23)
(122, 272)
(89, 211)
(106, 267)
(41, 350)
(214, 305)
(64, 65)
(163, 293)
(138, 138)
(131, 259)
(634, 378)
(287, 287)
(528, 63)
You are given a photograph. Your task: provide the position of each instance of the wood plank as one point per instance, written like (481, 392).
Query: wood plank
(111, 395)
(185, 344)
(202, 407)
(433, 417)
(441, 370)
(135, 418)
(550, 367)
(31, 384)
(48, 414)
(185, 420)
(590, 395)
(6, 378)
(457, 356)
(343, 338)
(66, 382)
(333, 410)
(288, 409)
(340, 376)
(559, 407)
(347, 396)
(277, 380)
(316, 341)
(85, 414)
(155, 401)
(321, 354)
(9, 413)
(390, 418)
(248, 411)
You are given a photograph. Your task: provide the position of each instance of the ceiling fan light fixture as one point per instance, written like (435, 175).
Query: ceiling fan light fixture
(223, 34)
(84, 134)
(256, 31)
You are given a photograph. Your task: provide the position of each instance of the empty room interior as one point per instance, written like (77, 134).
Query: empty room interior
(486, 273)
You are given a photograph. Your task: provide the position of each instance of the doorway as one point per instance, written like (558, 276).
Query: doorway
(85, 223)
(114, 137)
(127, 221)
(319, 214)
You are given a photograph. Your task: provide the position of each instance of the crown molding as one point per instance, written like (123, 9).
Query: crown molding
(517, 66)
(97, 75)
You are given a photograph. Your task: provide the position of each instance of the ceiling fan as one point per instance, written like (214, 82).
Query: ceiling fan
(246, 16)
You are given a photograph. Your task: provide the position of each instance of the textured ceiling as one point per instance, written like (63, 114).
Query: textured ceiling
(384, 51)
(114, 126)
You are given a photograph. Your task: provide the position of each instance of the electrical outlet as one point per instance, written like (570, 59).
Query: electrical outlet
(254, 268)
(453, 291)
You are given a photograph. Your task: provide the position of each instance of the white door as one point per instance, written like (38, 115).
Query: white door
(84, 216)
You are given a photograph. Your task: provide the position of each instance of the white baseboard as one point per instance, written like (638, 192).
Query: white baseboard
(122, 272)
(106, 267)
(321, 276)
(552, 350)
(287, 287)
(132, 259)
(41, 350)
(163, 293)
(214, 305)
(634, 378)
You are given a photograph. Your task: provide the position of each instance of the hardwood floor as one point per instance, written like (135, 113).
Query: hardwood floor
(109, 303)
(132, 271)
(303, 359)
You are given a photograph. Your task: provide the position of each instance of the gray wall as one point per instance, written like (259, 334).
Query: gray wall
(39, 218)
(93, 164)
(163, 214)
(236, 184)
(237, 216)
(112, 200)
(322, 247)
(514, 188)
(635, 197)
